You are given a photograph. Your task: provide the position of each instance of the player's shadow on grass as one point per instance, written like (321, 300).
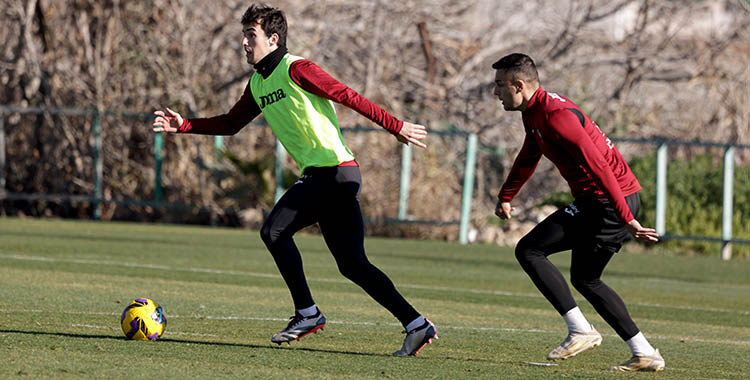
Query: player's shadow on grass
(62, 334)
(172, 340)
(226, 344)
(281, 348)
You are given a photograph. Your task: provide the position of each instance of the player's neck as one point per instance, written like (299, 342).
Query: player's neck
(267, 64)
(528, 94)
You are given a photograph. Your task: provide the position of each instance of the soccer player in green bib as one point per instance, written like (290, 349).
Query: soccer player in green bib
(296, 98)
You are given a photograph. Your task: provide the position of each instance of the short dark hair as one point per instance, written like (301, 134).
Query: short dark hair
(519, 66)
(271, 20)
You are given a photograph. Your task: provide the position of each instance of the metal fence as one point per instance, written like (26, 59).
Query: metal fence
(662, 145)
(96, 198)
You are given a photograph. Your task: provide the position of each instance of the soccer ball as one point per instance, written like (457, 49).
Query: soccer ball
(143, 319)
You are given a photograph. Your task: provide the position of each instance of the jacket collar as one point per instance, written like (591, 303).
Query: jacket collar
(266, 65)
(535, 99)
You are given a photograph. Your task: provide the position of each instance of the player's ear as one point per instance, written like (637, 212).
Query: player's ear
(273, 39)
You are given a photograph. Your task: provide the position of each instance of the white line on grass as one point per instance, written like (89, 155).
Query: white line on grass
(541, 364)
(352, 323)
(16, 256)
(134, 265)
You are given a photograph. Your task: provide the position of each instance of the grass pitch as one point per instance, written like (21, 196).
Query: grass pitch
(63, 285)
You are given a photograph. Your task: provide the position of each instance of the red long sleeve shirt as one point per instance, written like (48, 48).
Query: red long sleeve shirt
(586, 158)
(310, 77)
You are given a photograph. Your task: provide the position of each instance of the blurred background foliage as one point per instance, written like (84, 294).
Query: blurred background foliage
(640, 68)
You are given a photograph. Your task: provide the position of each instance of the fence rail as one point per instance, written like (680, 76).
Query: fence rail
(97, 199)
(726, 239)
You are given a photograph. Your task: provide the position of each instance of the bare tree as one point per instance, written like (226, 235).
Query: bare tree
(642, 68)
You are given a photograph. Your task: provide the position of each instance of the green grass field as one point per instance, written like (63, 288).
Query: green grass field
(63, 285)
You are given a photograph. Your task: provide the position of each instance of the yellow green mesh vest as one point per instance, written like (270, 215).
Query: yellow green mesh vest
(305, 124)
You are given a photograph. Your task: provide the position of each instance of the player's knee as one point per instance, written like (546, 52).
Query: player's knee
(525, 251)
(348, 272)
(584, 285)
(354, 269)
(268, 235)
(578, 283)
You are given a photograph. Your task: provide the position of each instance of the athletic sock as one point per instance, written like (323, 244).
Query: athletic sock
(639, 346)
(415, 324)
(308, 311)
(577, 323)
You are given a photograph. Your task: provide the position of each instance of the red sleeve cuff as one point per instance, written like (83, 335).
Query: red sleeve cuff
(185, 126)
(503, 198)
(396, 129)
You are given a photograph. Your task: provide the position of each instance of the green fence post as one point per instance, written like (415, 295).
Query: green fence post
(98, 166)
(403, 194)
(158, 158)
(2, 149)
(726, 220)
(219, 145)
(661, 188)
(279, 171)
(471, 159)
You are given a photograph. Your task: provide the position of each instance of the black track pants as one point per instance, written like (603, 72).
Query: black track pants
(593, 232)
(329, 196)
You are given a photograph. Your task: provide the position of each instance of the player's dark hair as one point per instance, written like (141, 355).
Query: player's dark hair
(271, 20)
(519, 66)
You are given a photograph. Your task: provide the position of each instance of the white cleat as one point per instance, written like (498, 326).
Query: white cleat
(574, 344)
(653, 363)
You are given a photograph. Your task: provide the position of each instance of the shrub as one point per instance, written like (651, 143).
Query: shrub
(694, 202)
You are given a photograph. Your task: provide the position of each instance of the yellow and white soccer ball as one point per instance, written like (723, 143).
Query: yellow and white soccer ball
(143, 319)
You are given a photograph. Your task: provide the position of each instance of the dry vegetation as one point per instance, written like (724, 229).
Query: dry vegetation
(641, 68)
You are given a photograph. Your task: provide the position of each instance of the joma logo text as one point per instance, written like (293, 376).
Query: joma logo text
(271, 98)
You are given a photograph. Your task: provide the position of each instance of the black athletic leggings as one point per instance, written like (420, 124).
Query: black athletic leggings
(329, 196)
(594, 233)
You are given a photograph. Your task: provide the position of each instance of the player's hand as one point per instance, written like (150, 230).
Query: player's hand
(503, 210)
(168, 121)
(412, 133)
(642, 233)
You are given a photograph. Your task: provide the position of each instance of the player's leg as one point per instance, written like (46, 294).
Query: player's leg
(554, 234)
(294, 211)
(343, 230)
(586, 269)
(532, 250)
(344, 236)
(587, 265)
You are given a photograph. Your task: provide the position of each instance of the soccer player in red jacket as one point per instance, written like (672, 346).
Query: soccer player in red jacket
(593, 227)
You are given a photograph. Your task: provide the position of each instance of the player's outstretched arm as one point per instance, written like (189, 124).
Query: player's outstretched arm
(642, 233)
(167, 121)
(412, 133)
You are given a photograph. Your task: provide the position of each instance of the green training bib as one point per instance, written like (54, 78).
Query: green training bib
(305, 124)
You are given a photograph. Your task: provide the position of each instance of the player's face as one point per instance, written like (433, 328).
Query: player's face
(508, 92)
(256, 44)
